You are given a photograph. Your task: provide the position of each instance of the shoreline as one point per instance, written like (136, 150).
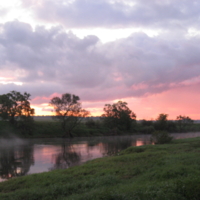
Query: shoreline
(168, 171)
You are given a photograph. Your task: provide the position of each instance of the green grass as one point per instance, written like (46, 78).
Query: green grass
(160, 172)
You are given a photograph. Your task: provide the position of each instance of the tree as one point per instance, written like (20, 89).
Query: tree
(183, 122)
(68, 111)
(15, 108)
(146, 122)
(90, 123)
(161, 122)
(118, 115)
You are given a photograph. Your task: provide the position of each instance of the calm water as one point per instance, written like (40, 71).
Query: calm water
(21, 157)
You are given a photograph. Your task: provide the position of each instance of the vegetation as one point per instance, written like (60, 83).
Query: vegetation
(183, 122)
(153, 172)
(71, 120)
(68, 111)
(88, 127)
(161, 137)
(47, 129)
(50, 128)
(15, 108)
(118, 116)
(162, 123)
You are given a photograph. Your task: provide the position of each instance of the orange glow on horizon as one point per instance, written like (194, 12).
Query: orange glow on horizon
(39, 112)
(174, 102)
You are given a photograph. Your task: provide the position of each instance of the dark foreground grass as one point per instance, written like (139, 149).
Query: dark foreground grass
(160, 172)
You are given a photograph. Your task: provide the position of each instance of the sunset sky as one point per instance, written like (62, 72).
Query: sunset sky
(144, 52)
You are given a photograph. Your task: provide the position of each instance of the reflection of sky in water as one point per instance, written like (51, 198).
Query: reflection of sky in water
(139, 142)
(54, 154)
(44, 155)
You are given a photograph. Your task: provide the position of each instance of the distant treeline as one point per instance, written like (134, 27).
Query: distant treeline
(95, 118)
(71, 120)
(90, 127)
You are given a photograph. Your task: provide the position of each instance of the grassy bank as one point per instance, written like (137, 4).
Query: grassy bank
(159, 172)
(51, 128)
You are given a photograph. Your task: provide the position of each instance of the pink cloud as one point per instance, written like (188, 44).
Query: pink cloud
(44, 99)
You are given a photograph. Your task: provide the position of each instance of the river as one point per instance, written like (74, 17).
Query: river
(19, 157)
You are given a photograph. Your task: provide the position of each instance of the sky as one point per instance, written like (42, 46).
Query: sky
(146, 53)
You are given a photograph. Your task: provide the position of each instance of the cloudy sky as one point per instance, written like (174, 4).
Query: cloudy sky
(146, 53)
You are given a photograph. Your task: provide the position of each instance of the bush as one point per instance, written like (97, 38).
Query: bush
(146, 122)
(90, 123)
(161, 137)
(146, 129)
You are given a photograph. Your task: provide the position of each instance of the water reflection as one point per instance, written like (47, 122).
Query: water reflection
(18, 158)
(113, 146)
(76, 152)
(36, 155)
(15, 159)
(68, 157)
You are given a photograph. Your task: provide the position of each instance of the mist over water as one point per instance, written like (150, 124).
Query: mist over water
(16, 157)
(19, 157)
(10, 142)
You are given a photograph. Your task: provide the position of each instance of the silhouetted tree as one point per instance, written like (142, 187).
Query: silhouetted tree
(146, 122)
(145, 126)
(161, 122)
(15, 107)
(118, 115)
(183, 122)
(68, 111)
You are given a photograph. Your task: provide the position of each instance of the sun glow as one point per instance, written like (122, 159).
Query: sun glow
(40, 110)
(6, 80)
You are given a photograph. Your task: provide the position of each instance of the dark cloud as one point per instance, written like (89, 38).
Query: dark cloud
(177, 14)
(51, 61)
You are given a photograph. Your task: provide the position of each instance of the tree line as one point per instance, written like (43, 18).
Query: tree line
(118, 118)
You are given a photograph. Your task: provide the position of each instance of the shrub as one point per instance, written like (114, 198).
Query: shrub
(161, 137)
(147, 129)
(90, 123)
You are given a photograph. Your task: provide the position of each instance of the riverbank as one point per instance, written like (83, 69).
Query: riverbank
(53, 129)
(147, 172)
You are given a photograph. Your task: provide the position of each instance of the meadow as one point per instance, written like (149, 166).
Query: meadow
(151, 172)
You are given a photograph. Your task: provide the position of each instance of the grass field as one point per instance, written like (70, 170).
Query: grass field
(152, 172)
